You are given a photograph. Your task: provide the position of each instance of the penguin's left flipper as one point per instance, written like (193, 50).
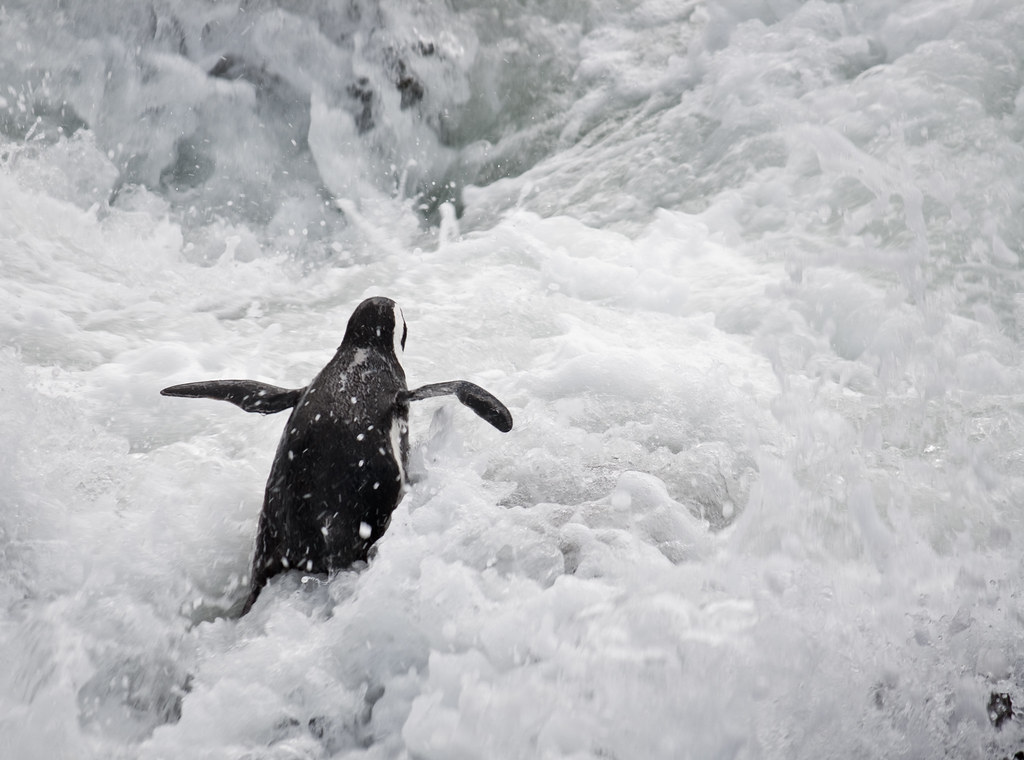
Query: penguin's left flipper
(476, 398)
(245, 394)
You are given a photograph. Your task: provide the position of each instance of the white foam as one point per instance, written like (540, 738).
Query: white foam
(746, 283)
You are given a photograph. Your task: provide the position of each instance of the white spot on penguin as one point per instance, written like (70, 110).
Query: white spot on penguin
(364, 530)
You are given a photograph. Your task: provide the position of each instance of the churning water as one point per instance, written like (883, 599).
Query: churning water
(747, 273)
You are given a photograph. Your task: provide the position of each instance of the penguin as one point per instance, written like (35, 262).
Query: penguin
(341, 464)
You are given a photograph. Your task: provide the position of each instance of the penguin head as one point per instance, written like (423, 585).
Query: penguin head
(376, 323)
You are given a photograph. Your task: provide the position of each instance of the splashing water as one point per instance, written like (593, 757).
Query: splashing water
(748, 275)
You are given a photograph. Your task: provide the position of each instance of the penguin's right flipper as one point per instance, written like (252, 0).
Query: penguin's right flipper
(245, 394)
(476, 398)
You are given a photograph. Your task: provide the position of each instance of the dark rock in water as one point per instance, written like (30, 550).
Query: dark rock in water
(337, 734)
(233, 68)
(410, 87)
(1000, 710)
(362, 92)
(225, 68)
(129, 696)
(191, 166)
(395, 64)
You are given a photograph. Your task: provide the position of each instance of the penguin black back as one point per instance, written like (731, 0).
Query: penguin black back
(340, 467)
